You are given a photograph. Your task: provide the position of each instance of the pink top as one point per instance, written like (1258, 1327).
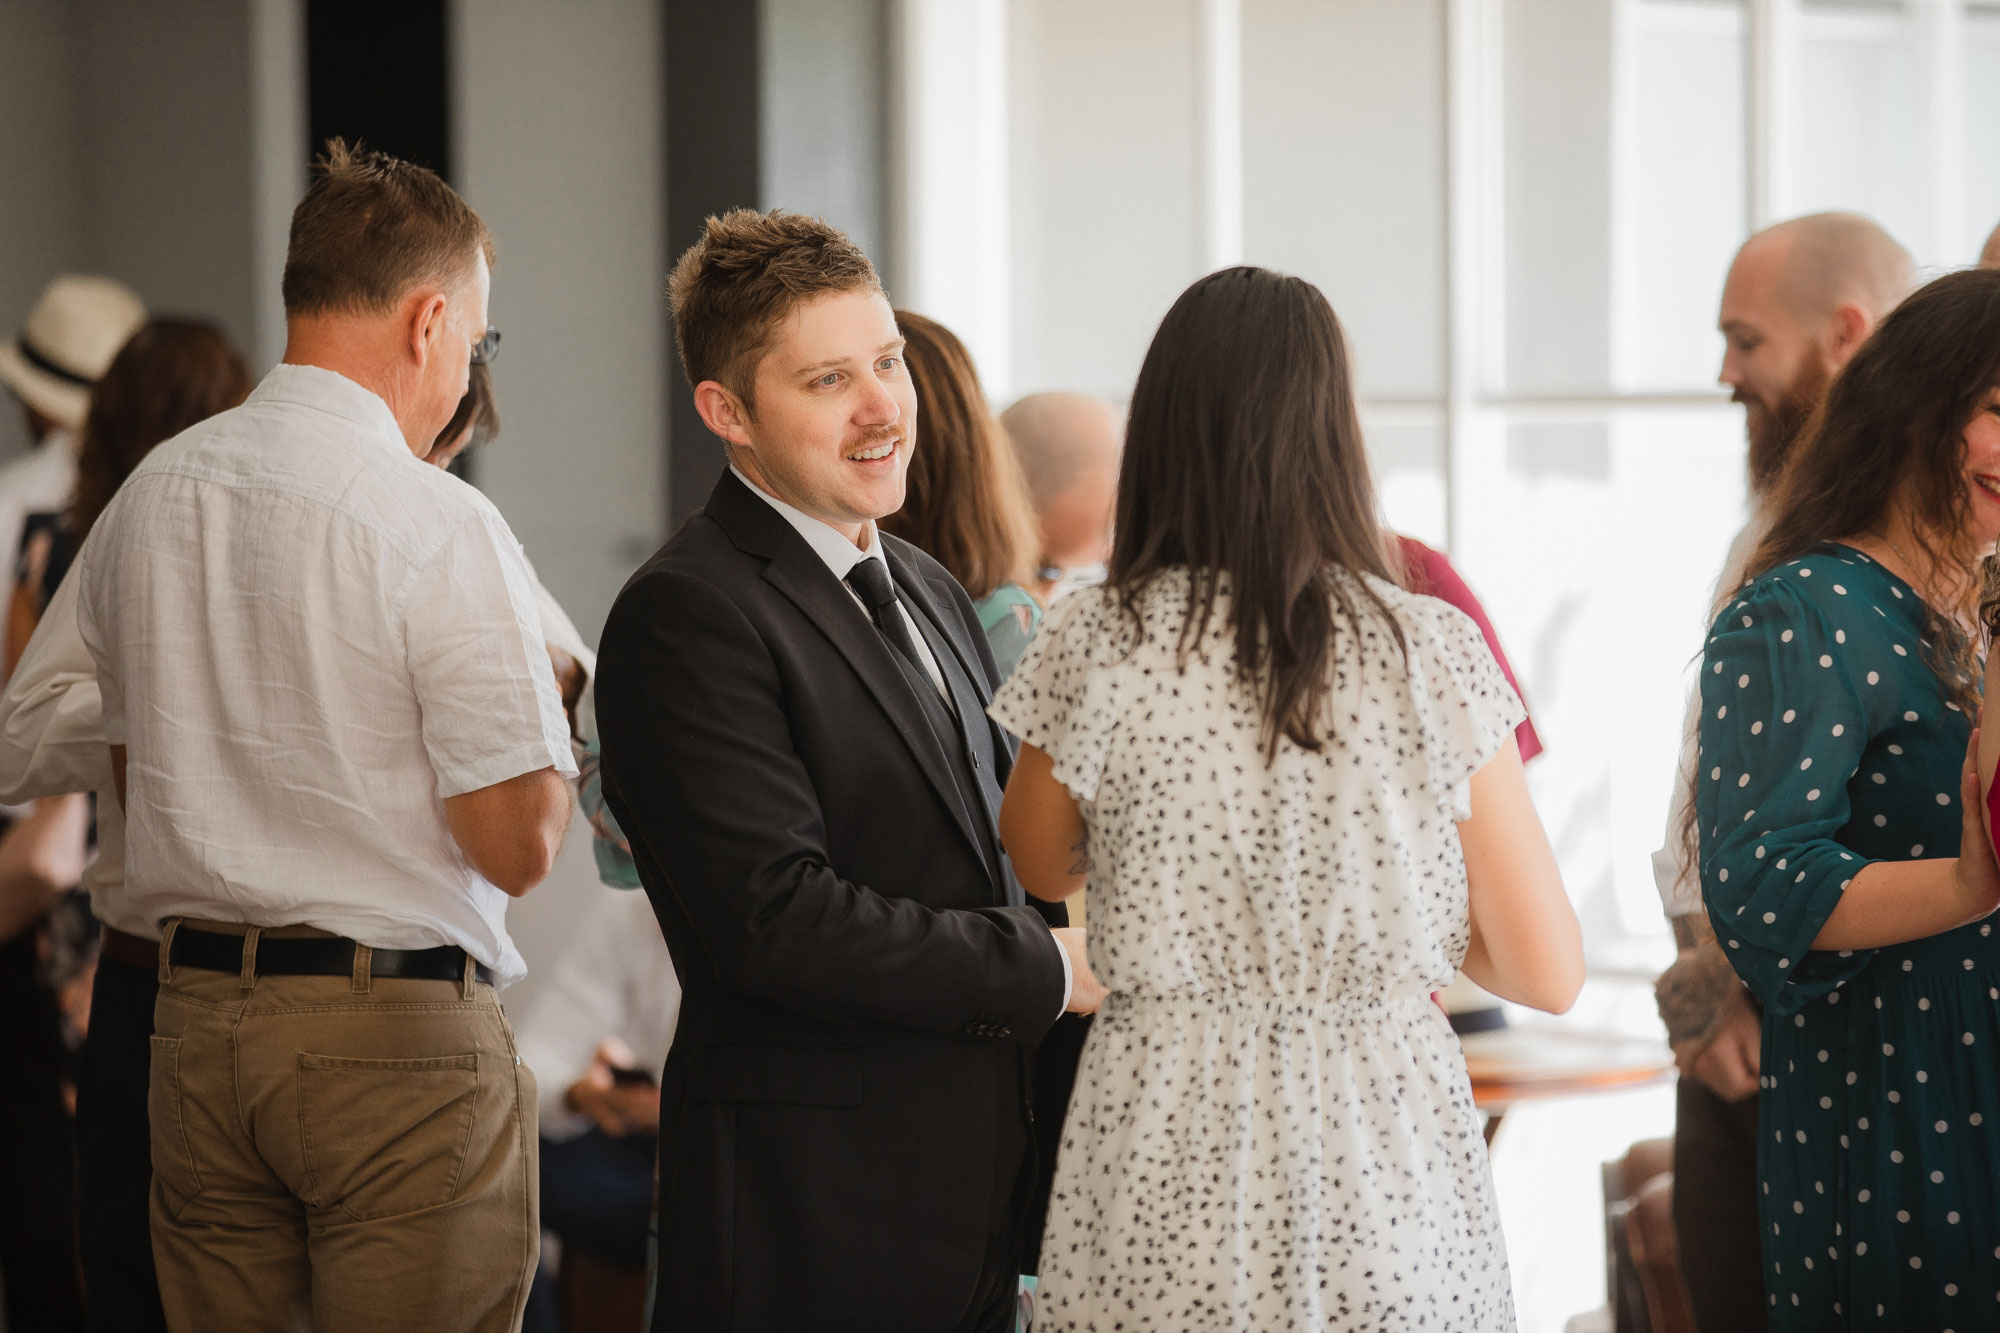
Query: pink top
(1431, 574)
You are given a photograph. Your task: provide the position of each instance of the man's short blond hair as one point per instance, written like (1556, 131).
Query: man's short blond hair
(370, 228)
(750, 270)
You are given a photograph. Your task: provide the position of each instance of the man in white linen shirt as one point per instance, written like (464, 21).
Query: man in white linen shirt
(339, 748)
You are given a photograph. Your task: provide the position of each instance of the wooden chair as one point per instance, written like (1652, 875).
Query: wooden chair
(1643, 1275)
(597, 1298)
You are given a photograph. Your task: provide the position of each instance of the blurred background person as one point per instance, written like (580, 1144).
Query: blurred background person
(171, 374)
(596, 1039)
(1249, 662)
(966, 505)
(1430, 572)
(1989, 256)
(68, 339)
(1068, 444)
(1837, 819)
(1800, 299)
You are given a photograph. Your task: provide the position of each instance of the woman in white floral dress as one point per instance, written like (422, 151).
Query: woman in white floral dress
(1277, 771)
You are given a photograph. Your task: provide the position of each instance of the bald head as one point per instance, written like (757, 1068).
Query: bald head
(1990, 256)
(1069, 445)
(1825, 260)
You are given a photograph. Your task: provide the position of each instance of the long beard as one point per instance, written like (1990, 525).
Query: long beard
(1775, 430)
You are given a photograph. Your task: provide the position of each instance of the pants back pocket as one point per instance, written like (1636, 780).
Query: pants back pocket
(385, 1137)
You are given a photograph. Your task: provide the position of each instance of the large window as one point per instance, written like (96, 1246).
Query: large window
(1523, 211)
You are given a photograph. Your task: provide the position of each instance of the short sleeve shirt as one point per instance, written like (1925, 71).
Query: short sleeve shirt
(306, 639)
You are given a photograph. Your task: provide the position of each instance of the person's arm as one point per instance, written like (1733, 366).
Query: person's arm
(1526, 944)
(701, 770)
(493, 721)
(42, 854)
(511, 831)
(1784, 727)
(52, 739)
(1894, 902)
(1043, 829)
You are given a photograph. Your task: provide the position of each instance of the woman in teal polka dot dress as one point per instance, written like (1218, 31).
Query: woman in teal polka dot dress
(1842, 856)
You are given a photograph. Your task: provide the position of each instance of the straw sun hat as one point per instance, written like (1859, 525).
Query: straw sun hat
(67, 342)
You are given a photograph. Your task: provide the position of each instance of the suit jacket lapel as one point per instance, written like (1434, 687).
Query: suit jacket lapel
(796, 570)
(961, 670)
(922, 595)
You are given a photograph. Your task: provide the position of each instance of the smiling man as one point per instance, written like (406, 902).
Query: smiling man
(792, 706)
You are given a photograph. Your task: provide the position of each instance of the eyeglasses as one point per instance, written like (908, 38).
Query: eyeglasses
(486, 348)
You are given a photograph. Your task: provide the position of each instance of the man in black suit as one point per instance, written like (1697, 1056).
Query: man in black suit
(792, 708)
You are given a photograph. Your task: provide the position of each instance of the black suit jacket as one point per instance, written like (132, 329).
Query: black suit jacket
(861, 977)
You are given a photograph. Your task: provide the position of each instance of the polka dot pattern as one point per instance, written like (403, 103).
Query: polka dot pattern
(1272, 1126)
(1881, 1104)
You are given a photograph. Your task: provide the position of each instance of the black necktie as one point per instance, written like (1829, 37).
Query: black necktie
(871, 583)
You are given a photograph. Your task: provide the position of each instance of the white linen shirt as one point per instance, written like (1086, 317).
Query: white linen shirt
(307, 638)
(52, 743)
(841, 556)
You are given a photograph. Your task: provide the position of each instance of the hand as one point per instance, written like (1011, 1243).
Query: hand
(1085, 994)
(617, 1109)
(1727, 1064)
(1976, 875)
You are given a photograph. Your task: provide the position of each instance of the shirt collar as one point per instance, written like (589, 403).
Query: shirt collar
(839, 554)
(332, 392)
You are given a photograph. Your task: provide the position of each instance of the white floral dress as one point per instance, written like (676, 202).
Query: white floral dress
(1272, 1126)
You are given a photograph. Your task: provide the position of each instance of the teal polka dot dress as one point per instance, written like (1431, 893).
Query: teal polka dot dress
(1826, 744)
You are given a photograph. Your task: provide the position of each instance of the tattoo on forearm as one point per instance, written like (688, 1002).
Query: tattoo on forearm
(1080, 852)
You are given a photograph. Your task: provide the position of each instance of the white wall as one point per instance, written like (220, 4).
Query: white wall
(1104, 170)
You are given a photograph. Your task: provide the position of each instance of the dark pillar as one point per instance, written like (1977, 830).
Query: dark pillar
(714, 163)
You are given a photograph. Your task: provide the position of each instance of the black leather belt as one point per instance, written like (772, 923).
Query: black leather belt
(319, 958)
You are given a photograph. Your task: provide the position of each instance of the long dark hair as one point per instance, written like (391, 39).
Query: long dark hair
(967, 505)
(1893, 426)
(169, 375)
(1244, 463)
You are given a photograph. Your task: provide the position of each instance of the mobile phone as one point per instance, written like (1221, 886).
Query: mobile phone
(624, 1077)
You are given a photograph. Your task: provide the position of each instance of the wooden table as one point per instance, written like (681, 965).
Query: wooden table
(1514, 1064)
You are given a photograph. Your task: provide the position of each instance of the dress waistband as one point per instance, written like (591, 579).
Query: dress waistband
(1335, 1009)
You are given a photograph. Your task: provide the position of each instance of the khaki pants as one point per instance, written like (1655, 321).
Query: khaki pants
(339, 1153)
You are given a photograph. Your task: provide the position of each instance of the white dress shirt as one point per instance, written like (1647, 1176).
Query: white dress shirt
(307, 639)
(1673, 875)
(841, 556)
(616, 979)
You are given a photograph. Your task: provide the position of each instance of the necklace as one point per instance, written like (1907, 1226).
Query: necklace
(1930, 598)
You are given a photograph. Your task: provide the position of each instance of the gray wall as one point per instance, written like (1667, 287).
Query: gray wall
(41, 179)
(148, 139)
(559, 143)
(825, 80)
